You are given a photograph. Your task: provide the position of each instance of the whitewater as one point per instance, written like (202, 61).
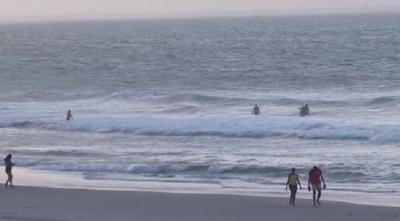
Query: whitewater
(169, 101)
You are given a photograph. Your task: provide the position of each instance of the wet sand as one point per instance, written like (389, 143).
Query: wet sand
(36, 203)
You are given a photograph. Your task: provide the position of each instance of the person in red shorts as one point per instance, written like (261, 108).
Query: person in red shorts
(314, 180)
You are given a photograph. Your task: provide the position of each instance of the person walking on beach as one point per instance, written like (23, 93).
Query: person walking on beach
(9, 166)
(314, 180)
(292, 181)
(69, 115)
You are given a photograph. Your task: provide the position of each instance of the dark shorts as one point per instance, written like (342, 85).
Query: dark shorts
(8, 170)
(293, 189)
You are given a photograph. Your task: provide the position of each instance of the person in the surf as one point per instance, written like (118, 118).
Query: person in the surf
(314, 181)
(69, 115)
(9, 165)
(256, 110)
(304, 110)
(292, 181)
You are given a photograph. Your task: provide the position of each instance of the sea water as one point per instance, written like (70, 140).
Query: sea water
(171, 100)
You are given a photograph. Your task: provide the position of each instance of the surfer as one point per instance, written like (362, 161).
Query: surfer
(256, 110)
(9, 166)
(69, 115)
(292, 181)
(304, 110)
(314, 180)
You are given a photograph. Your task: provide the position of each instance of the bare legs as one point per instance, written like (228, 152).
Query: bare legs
(292, 199)
(319, 196)
(313, 196)
(293, 191)
(9, 180)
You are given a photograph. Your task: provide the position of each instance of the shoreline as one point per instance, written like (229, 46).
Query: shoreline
(25, 177)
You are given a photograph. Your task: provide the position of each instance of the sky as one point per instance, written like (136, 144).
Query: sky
(77, 9)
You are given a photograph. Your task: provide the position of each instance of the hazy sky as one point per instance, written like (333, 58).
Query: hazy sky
(73, 9)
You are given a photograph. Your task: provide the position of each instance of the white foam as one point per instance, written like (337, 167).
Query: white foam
(245, 127)
(143, 168)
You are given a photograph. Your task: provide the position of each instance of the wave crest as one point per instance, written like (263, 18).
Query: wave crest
(242, 127)
(386, 100)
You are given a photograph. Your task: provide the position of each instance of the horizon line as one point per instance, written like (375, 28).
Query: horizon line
(189, 15)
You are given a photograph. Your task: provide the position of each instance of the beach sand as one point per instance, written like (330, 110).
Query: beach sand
(36, 203)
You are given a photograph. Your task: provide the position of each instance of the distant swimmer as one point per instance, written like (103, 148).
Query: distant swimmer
(292, 181)
(9, 165)
(304, 110)
(314, 180)
(256, 110)
(69, 115)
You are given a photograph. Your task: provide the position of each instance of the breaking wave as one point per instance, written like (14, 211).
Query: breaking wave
(241, 127)
(383, 101)
(202, 170)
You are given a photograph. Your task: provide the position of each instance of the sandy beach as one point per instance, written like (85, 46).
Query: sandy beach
(35, 203)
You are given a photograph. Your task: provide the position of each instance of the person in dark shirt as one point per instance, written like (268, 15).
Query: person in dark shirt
(69, 115)
(256, 110)
(9, 165)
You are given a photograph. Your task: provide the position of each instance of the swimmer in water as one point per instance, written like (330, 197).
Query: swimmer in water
(304, 110)
(256, 110)
(69, 115)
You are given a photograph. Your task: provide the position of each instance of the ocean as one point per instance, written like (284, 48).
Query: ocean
(171, 100)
